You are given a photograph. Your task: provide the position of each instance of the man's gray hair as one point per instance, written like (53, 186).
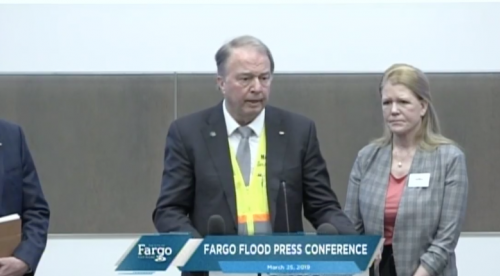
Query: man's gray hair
(224, 51)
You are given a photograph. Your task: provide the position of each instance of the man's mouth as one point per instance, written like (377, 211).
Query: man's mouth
(254, 101)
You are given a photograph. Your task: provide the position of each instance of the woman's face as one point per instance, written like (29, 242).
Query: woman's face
(401, 108)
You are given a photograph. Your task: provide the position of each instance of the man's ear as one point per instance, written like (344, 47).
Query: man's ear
(221, 83)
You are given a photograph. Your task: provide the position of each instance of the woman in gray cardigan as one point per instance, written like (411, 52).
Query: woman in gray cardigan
(410, 185)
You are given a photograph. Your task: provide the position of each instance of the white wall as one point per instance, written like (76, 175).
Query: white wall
(303, 38)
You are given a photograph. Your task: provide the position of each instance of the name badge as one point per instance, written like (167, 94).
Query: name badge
(419, 180)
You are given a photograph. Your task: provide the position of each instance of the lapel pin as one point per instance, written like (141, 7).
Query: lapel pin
(282, 133)
(212, 133)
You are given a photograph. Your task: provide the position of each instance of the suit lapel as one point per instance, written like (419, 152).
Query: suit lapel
(420, 164)
(216, 138)
(381, 182)
(276, 141)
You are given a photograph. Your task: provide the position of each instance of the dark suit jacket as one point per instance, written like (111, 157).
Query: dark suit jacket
(21, 193)
(198, 178)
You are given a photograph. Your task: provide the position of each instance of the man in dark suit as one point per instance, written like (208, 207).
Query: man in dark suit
(198, 173)
(21, 193)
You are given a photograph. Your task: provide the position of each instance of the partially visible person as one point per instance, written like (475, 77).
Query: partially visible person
(21, 193)
(410, 185)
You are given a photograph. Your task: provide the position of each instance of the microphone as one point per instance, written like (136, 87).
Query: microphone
(283, 184)
(327, 229)
(216, 225)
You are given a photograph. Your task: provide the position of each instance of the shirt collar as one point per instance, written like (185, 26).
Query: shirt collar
(257, 125)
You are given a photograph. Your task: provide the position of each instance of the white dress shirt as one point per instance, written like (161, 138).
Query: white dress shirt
(257, 125)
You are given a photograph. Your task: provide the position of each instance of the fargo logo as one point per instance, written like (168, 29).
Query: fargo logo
(156, 252)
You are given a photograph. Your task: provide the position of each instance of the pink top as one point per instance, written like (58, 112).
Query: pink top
(394, 193)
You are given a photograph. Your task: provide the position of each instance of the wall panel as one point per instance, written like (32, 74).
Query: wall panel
(98, 140)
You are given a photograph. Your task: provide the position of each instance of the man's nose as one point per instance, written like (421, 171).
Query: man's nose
(257, 85)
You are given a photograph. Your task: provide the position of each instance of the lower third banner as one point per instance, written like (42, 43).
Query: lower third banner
(285, 254)
(276, 254)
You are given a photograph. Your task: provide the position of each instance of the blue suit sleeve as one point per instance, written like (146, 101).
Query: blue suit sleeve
(35, 211)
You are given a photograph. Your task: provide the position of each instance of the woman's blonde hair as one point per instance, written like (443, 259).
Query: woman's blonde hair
(429, 135)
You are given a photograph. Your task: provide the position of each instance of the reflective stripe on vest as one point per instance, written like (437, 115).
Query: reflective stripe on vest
(251, 200)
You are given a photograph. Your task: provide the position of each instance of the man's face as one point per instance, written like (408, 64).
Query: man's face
(246, 83)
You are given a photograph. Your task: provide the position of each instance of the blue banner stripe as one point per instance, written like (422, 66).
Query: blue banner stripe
(273, 267)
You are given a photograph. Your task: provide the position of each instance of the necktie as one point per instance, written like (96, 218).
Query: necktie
(243, 154)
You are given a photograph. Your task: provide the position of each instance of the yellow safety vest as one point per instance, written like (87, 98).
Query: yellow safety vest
(251, 200)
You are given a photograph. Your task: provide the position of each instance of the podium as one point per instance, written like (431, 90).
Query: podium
(286, 254)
